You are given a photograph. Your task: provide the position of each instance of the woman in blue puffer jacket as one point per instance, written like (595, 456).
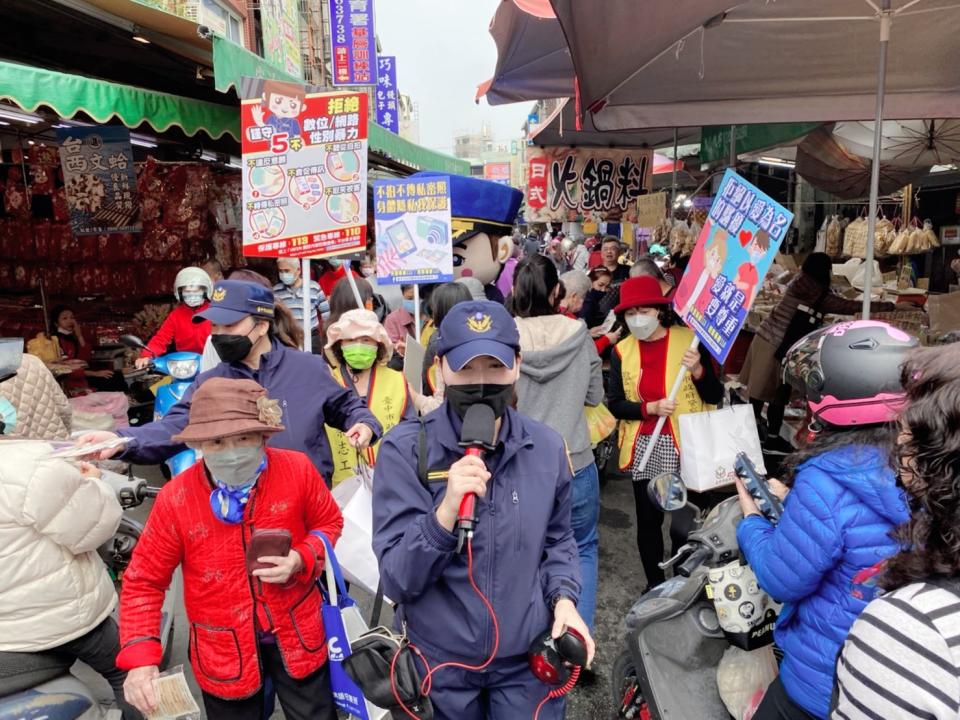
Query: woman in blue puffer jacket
(843, 504)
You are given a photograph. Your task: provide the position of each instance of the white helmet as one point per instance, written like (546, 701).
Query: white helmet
(192, 276)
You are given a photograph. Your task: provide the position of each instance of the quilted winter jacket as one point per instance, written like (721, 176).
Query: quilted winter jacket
(225, 605)
(42, 409)
(53, 587)
(836, 523)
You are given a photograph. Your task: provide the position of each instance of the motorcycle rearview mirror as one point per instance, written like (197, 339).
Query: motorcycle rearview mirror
(667, 492)
(132, 342)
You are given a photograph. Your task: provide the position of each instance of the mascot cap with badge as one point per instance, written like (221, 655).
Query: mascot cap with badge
(483, 214)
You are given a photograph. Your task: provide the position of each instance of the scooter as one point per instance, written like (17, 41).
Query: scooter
(182, 368)
(40, 685)
(675, 639)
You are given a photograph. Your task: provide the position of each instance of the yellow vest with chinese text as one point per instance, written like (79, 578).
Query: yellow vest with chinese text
(688, 400)
(387, 398)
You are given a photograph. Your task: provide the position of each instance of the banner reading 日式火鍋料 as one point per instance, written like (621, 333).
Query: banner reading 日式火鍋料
(588, 184)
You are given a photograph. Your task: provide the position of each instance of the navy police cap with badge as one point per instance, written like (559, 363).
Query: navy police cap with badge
(479, 205)
(474, 329)
(233, 300)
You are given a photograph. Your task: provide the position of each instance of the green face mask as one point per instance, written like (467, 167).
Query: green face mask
(359, 356)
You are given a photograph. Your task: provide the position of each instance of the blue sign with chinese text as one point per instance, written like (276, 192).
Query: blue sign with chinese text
(414, 239)
(388, 100)
(99, 179)
(353, 42)
(736, 247)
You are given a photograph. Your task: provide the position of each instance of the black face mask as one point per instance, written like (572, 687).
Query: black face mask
(462, 397)
(231, 348)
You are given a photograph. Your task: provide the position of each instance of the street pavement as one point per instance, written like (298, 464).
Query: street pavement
(621, 579)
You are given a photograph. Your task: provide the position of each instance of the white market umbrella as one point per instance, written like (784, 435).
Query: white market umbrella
(844, 169)
(904, 143)
(765, 61)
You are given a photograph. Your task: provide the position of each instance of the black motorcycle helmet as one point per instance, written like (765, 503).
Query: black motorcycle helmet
(849, 373)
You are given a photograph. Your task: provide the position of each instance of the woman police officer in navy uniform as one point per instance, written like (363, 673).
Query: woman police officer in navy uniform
(523, 550)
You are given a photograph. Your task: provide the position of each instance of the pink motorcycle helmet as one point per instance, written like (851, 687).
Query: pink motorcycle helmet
(849, 373)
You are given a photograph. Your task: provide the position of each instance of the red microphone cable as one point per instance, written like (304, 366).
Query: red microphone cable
(559, 692)
(427, 683)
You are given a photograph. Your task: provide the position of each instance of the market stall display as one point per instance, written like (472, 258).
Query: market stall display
(189, 211)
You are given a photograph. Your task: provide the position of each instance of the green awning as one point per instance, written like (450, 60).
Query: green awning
(232, 62)
(413, 155)
(31, 87)
(715, 139)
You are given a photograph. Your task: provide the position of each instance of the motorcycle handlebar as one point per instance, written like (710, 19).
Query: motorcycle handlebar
(697, 558)
(145, 491)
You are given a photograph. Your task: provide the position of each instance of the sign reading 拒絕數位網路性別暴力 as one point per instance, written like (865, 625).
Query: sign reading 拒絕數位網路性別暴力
(737, 245)
(304, 171)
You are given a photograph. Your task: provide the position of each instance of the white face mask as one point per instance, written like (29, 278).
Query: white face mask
(288, 278)
(642, 326)
(192, 299)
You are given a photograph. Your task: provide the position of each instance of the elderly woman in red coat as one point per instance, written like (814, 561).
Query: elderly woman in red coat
(250, 614)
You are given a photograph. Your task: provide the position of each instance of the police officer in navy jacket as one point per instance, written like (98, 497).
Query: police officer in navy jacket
(524, 552)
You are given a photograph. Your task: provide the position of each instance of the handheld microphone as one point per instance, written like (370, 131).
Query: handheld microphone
(477, 435)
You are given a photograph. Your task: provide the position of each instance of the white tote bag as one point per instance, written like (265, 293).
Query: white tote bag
(355, 546)
(709, 443)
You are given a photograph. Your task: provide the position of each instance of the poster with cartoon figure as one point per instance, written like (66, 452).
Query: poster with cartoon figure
(414, 239)
(304, 170)
(736, 247)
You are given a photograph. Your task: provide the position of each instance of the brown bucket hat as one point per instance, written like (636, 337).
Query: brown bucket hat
(222, 407)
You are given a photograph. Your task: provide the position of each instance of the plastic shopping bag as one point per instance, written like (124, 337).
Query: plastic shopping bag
(600, 422)
(743, 677)
(355, 547)
(710, 441)
(343, 623)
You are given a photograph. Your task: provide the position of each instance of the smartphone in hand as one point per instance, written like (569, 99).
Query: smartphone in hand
(267, 542)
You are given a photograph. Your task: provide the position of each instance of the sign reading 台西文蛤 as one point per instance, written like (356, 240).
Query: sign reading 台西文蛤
(592, 184)
(304, 171)
(99, 180)
(388, 107)
(736, 247)
(353, 45)
(414, 239)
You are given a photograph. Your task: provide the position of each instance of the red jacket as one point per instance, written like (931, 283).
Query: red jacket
(225, 606)
(328, 281)
(179, 327)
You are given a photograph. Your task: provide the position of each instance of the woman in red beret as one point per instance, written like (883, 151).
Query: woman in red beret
(643, 368)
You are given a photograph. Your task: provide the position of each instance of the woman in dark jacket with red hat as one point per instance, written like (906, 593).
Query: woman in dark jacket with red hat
(643, 369)
(251, 613)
